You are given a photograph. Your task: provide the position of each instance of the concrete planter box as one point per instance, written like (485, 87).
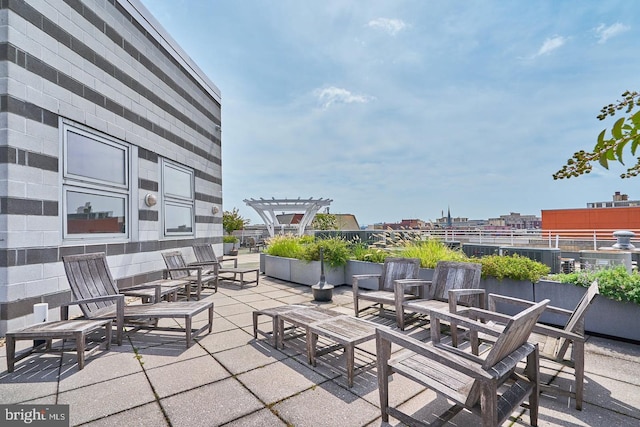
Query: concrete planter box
(227, 248)
(308, 273)
(262, 261)
(605, 316)
(362, 267)
(508, 287)
(277, 267)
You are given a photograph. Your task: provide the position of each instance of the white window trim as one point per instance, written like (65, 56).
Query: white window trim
(75, 183)
(176, 200)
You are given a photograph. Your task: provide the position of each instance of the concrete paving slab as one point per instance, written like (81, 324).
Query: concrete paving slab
(193, 373)
(221, 341)
(255, 355)
(142, 416)
(277, 381)
(105, 398)
(233, 309)
(211, 405)
(312, 408)
(263, 418)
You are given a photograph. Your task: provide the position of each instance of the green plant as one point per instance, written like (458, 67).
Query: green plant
(325, 221)
(512, 267)
(231, 221)
(614, 283)
(229, 239)
(362, 252)
(430, 252)
(285, 245)
(335, 251)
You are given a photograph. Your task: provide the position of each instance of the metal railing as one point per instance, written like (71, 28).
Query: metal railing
(568, 240)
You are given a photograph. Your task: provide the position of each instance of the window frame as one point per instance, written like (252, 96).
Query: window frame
(71, 182)
(177, 200)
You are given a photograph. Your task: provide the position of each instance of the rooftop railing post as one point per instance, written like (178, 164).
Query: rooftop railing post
(595, 241)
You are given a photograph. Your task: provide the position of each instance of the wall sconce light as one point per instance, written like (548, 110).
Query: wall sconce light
(215, 210)
(150, 199)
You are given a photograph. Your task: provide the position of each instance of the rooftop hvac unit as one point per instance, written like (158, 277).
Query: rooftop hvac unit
(478, 251)
(548, 256)
(595, 260)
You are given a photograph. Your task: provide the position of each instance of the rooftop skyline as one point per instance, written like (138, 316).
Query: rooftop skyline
(400, 109)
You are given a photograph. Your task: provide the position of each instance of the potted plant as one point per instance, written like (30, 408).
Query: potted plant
(232, 221)
(230, 245)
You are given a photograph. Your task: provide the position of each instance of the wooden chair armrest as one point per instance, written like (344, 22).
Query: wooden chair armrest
(358, 277)
(226, 259)
(436, 316)
(454, 294)
(495, 298)
(401, 286)
(557, 333)
(466, 363)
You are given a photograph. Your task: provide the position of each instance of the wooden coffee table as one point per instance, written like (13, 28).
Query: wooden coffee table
(303, 318)
(347, 332)
(239, 271)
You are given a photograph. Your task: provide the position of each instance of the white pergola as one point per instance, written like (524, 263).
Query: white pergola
(267, 209)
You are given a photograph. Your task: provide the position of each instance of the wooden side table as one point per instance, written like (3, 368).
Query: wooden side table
(64, 329)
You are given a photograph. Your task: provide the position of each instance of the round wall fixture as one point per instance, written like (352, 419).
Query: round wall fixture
(215, 210)
(150, 199)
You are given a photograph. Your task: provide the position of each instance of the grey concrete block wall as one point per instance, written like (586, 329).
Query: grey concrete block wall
(97, 65)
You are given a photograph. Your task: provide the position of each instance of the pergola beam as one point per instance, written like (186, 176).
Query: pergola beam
(267, 209)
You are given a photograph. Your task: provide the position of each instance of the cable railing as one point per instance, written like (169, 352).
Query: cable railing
(565, 239)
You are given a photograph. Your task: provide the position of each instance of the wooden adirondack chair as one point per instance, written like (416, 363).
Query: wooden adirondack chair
(453, 283)
(178, 269)
(487, 386)
(554, 341)
(95, 291)
(393, 269)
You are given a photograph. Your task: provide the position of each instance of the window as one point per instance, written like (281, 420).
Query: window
(95, 185)
(177, 199)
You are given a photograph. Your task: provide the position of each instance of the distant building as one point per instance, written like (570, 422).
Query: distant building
(517, 221)
(618, 214)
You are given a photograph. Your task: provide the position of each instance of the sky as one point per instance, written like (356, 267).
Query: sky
(399, 109)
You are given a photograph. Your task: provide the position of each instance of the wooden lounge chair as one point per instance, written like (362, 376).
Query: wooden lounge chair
(453, 283)
(206, 256)
(177, 269)
(488, 386)
(392, 269)
(95, 291)
(554, 341)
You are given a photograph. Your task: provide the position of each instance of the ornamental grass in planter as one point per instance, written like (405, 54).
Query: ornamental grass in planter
(514, 267)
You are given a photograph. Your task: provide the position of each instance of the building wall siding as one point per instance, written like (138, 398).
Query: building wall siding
(91, 62)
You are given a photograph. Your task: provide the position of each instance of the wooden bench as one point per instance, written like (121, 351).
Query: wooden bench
(64, 329)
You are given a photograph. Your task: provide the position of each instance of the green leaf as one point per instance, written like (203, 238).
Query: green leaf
(635, 119)
(616, 130)
(603, 161)
(619, 149)
(600, 140)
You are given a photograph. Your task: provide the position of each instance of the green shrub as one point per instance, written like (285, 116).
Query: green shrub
(614, 283)
(335, 249)
(512, 267)
(229, 239)
(285, 245)
(430, 252)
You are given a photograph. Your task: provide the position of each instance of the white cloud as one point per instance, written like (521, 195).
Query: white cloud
(391, 26)
(551, 44)
(604, 33)
(336, 95)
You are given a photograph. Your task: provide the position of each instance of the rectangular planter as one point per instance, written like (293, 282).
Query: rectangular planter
(308, 273)
(362, 267)
(605, 316)
(277, 267)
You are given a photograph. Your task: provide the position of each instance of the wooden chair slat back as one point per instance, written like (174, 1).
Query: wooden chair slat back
(398, 268)
(174, 259)
(575, 323)
(455, 275)
(515, 334)
(204, 253)
(89, 277)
